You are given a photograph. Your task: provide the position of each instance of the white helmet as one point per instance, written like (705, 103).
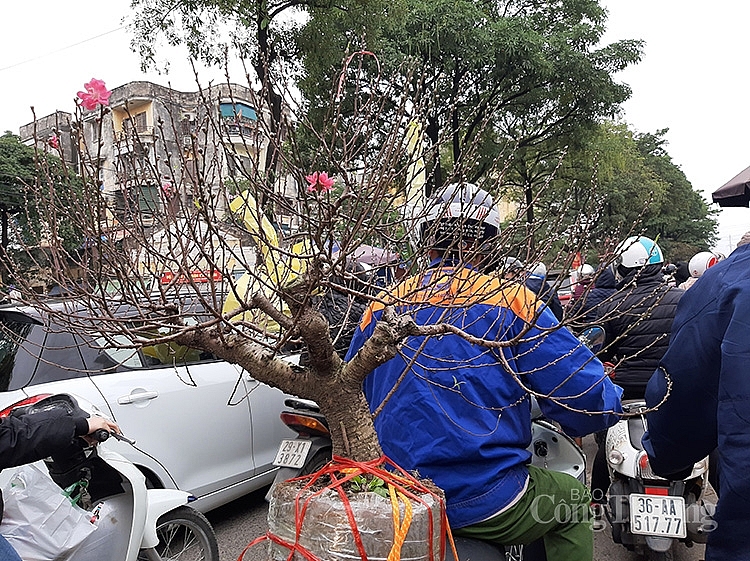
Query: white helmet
(585, 271)
(637, 251)
(538, 269)
(459, 211)
(700, 262)
(512, 264)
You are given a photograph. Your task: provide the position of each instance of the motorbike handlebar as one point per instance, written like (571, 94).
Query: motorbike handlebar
(100, 435)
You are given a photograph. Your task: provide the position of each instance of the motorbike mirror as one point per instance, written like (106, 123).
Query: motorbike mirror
(593, 337)
(536, 411)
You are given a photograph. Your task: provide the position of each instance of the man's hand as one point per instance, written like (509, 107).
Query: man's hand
(96, 423)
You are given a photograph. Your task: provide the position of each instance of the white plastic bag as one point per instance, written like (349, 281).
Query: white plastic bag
(39, 521)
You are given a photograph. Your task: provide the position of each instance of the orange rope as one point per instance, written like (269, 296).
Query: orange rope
(399, 530)
(450, 538)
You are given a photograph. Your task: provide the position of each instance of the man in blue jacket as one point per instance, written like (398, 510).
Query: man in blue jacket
(457, 410)
(708, 406)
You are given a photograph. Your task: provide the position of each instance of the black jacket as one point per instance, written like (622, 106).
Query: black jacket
(546, 293)
(29, 438)
(638, 321)
(589, 303)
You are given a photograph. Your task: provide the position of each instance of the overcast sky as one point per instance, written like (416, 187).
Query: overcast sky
(693, 79)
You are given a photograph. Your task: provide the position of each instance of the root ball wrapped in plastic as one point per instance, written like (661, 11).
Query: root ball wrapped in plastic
(332, 515)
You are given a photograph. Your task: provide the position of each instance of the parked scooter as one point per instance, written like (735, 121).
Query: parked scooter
(649, 513)
(550, 449)
(135, 523)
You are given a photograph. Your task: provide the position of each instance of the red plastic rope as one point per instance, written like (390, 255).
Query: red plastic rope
(276, 539)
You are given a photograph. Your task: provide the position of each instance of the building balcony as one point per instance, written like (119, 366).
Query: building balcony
(144, 134)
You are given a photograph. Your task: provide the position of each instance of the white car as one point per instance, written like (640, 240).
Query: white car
(203, 425)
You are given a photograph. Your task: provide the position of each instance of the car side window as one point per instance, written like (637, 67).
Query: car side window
(173, 354)
(111, 355)
(20, 343)
(60, 357)
(113, 352)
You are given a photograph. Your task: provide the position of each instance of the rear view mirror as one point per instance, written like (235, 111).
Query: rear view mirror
(593, 337)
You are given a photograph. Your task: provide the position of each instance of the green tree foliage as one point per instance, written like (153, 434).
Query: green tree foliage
(684, 224)
(17, 171)
(521, 80)
(634, 187)
(532, 71)
(24, 174)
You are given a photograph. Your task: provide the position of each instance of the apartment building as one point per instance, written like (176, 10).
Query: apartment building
(154, 140)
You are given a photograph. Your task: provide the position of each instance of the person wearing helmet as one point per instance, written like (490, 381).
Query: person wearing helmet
(535, 279)
(451, 407)
(637, 320)
(512, 269)
(585, 308)
(697, 266)
(584, 276)
(537, 283)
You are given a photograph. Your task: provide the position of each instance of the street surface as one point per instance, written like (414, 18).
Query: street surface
(243, 520)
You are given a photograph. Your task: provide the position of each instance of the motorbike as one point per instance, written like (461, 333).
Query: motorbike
(648, 513)
(135, 523)
(311, 450)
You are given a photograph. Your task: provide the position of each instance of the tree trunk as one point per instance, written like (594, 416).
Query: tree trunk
(433, 133)
(272, 98)
(349, 420)
(530, 216)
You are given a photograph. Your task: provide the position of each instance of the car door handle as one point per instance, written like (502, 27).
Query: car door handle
(137, 397)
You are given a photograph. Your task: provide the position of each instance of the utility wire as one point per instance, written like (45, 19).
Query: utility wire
(61, 49)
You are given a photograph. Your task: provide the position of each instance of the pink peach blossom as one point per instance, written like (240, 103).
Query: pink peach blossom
(167, 189)
(54, 141)
(96, 94)
(320, 182)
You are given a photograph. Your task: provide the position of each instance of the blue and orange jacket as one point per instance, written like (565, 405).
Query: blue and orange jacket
(460, 415)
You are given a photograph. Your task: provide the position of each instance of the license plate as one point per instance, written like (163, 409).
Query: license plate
(292, 453)
(657, 515)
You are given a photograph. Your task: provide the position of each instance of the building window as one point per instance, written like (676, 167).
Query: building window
(142, 200)
(239, 166)
(137, 123)
(238, 118)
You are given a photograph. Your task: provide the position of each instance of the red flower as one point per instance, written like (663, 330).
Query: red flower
(320, 182)
(96, 94)
(54, 141)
